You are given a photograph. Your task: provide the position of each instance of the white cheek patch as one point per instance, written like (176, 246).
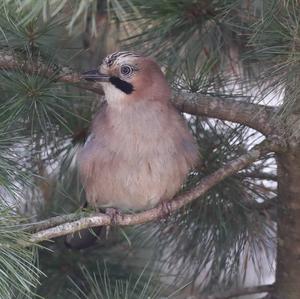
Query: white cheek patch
(112, 94)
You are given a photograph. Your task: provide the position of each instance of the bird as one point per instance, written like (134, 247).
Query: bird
(139, 150)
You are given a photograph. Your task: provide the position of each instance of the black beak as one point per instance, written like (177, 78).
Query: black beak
(95, 76)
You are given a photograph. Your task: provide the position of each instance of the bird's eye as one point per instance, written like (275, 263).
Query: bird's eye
(126, 70)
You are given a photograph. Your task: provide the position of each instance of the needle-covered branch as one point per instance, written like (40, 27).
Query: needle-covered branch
(258, 117)
(10, 60)
(68, 224)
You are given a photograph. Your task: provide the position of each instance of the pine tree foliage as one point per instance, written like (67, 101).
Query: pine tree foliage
(100, 286)
(246, 50)
(18, 264)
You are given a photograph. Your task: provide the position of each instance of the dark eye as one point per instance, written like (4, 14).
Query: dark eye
(126, 70)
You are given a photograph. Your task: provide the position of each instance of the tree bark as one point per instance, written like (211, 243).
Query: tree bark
(288, 247)
(255, 116)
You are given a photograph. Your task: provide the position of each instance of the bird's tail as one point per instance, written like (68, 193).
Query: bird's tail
(84, 238)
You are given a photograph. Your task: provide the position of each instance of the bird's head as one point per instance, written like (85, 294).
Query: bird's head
(126, 76)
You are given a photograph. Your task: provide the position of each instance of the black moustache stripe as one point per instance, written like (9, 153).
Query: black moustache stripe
(121, 84)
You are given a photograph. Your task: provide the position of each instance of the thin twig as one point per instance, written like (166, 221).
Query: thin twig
(54, 221)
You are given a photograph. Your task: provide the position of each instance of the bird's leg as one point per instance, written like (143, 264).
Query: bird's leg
(113, 213)
(166, 206)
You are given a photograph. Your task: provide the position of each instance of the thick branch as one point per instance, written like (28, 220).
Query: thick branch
(252, 115)
(243, 292)
(131, 219)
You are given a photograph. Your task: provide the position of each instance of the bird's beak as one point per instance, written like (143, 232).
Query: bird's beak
(94, 75)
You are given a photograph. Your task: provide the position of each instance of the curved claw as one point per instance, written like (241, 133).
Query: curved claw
(113, 213)
(166, 208)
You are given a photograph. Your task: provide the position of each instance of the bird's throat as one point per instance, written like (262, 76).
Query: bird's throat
(121, 84)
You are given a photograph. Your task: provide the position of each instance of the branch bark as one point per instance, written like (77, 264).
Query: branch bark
(243, 292)
(72, 224)
(258, 117)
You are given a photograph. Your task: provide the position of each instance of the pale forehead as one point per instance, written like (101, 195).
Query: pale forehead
(120, 57)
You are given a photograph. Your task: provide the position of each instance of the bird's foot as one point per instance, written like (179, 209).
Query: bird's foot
(166, 208)
(114, 214)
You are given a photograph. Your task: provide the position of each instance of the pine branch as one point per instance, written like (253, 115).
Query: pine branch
(243, 292)
(72, 223)
(252, 115)
(12, 61)
(54, 221)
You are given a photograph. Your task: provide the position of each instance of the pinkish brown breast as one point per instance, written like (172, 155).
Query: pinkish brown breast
(136, 156)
